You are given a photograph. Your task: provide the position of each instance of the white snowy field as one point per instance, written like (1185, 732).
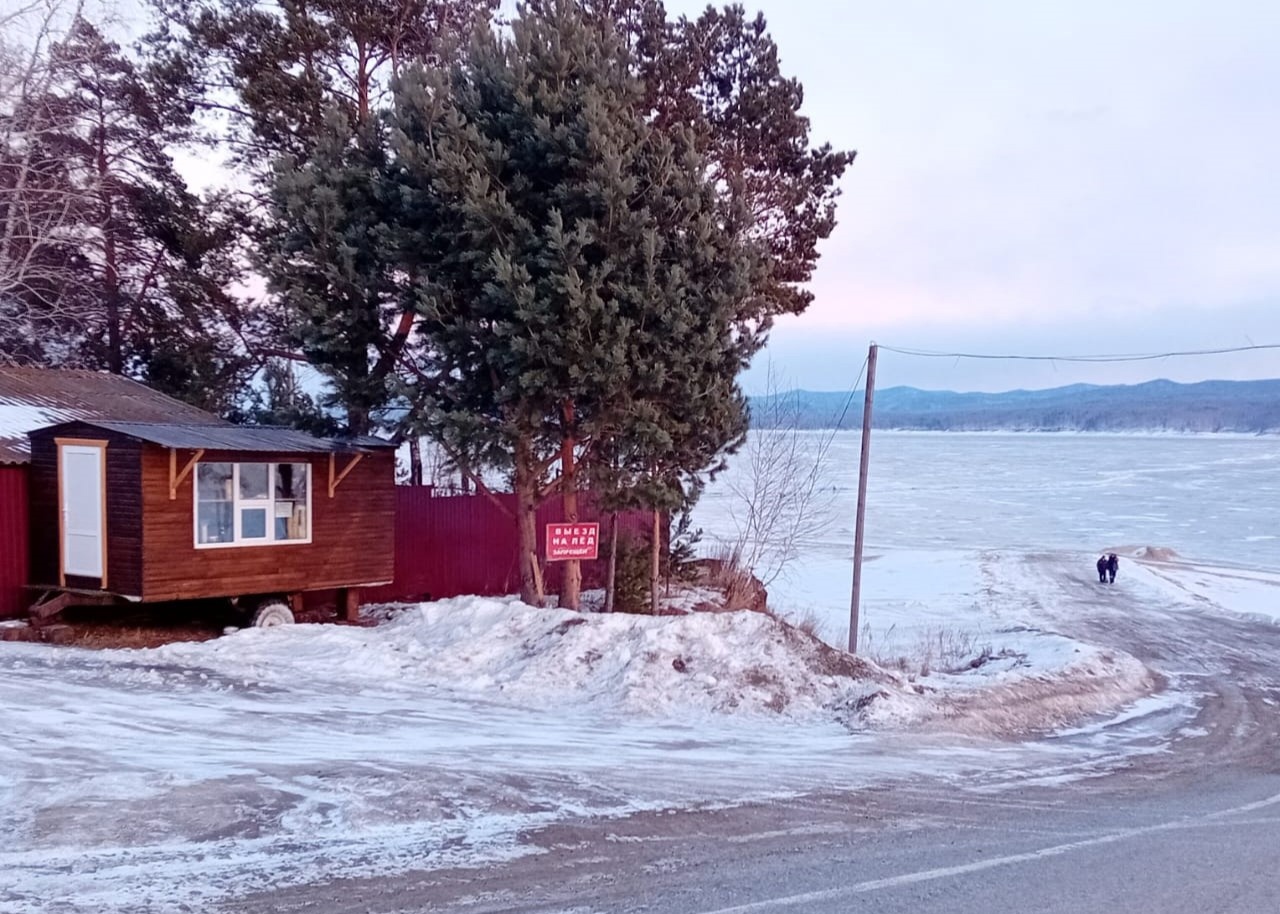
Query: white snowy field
(169, 779)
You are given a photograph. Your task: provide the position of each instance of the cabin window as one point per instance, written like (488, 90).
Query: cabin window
(246, 504)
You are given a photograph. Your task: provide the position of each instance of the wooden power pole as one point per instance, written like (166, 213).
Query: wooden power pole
(855, 602)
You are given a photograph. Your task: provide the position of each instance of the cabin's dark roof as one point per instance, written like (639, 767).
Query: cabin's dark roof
(32, 398)
(243, 438)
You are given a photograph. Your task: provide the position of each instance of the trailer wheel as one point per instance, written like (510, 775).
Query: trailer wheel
(272, 612)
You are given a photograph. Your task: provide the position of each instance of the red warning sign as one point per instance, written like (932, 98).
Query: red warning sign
(572, 541)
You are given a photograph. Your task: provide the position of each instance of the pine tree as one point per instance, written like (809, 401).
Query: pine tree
(720, 75)
(332, 262)
(271, 75)
(582, 282)
(294, 93)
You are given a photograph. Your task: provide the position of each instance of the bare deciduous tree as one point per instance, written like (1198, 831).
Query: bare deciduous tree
(782, 490)
(40, 208)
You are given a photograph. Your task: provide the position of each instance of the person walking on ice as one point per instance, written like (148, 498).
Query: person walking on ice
(1103, 564)
(1113, 564)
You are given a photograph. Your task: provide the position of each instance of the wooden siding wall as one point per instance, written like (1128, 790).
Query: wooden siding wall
(352, 534)
(124, 509)
(14, 536)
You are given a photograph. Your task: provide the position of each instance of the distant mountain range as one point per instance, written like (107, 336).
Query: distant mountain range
(1209, 406)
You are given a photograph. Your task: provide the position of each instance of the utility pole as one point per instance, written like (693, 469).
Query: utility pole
(859, 526)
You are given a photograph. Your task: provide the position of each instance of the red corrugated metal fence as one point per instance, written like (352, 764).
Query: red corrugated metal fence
(13, 540)
(465, 544)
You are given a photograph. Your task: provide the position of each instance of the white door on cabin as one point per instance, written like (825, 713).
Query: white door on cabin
(83, 523)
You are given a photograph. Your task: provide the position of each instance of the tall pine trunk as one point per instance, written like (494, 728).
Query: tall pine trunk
(611, 581)
(527, 524)
(357, 420)
(655, 564)
(571, 582)
(110, 259)
(111, 280)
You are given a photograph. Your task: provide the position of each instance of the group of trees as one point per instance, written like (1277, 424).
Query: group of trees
(550, 243)
(107, 258)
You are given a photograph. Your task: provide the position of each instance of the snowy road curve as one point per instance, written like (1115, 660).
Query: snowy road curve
(1190, 827)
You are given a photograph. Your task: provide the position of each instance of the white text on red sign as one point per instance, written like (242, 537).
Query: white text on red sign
(572, 541)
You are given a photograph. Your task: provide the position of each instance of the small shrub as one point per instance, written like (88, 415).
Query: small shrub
(682, 561)
(806, 621)
(727, 574)
(631, 579)
(944, 649)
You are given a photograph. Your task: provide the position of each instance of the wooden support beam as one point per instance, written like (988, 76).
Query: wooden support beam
(349, 604)
(333, 482)
(176, 477)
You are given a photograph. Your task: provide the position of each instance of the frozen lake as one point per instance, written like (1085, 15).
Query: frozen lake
(936, 500)
(1211, 499)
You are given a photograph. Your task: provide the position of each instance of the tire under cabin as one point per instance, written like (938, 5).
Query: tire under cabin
(154, 512)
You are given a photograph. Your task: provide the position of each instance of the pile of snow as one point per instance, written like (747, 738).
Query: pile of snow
(442, 732)
(1054, 683)
(733, 663)
(1154, 553)
(741, 662)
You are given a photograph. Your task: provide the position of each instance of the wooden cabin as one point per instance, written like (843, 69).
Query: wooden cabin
(159, 511)
(32, 398)
(111, 491)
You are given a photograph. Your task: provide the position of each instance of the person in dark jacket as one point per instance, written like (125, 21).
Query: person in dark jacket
(1113, 564)
(1103, 564)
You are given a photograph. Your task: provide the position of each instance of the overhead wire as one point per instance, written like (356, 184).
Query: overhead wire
(853, 390)
(1131, 357)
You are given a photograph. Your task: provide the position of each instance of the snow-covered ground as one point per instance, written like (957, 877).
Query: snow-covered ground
(154, 780)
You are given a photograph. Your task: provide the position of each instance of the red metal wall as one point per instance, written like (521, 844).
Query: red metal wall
(14, 550)
(465, 544)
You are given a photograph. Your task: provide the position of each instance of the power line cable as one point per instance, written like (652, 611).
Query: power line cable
(1135, 357)
(849, 401)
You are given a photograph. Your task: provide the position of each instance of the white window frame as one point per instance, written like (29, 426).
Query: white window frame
(237, 542)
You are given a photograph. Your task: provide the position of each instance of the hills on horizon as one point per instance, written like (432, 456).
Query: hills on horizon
(1204, 406)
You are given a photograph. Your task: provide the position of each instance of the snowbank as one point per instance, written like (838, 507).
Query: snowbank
(734, 663)
(739, 662)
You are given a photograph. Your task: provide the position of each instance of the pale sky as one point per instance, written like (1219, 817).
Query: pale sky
(1051, 178)
(1047, 178)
